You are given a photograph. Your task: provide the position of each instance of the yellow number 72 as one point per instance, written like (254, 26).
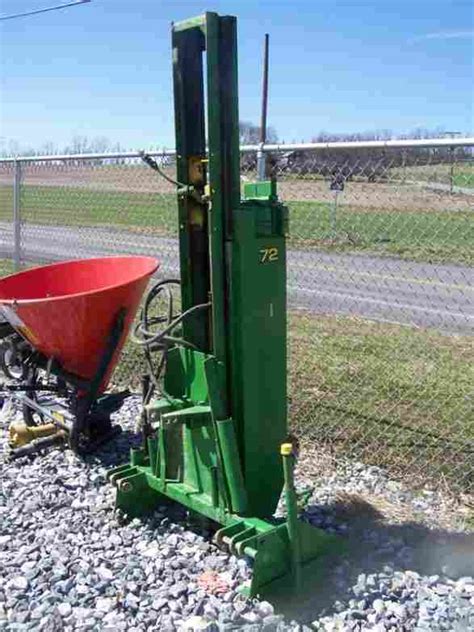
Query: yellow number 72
(268, 254)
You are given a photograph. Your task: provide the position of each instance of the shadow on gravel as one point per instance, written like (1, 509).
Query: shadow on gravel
(374, 547)
(116, 451)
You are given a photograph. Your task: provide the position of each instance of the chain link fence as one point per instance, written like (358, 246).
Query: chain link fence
(380, 281)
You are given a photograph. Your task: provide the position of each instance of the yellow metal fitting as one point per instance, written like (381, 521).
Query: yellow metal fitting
(195, 170)
(21, 434)
(286, 449)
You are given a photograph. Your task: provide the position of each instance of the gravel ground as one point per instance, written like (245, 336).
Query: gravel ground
(67, 562)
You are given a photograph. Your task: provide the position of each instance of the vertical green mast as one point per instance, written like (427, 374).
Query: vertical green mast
(243, 271)
(188, 46)
(216, 431)
(203, 233)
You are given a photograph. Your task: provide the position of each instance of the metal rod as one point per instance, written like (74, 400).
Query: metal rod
(370, 144)
(261, 158)
(287, 452)
(263, 118)
(17, 216)
(334, 214)
(37, 444)
(46, 412)
(451, 170)
(92, 156)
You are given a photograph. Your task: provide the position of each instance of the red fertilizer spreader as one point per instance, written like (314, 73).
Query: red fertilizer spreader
(62, 329)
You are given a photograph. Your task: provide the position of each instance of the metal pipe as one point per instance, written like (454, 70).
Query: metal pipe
(37, 444)
(90, 156)
(468, 141)
(59, 419)
(17, 216)
(371, 144)
(263, 117)
(261, 157)
(451, 171)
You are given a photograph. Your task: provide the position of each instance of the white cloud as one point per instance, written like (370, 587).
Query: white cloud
(445, 35)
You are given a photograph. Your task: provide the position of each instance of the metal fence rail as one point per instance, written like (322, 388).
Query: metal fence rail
(380, 280)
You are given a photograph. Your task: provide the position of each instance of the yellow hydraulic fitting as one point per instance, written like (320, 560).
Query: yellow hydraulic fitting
(20, 434)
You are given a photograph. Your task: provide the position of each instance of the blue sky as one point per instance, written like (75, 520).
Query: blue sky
(104, 68)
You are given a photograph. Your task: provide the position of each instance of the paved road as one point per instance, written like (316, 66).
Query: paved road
(377, 288)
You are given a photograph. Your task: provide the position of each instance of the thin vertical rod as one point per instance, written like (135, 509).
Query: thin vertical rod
(263, 117)
(16, 215)
(451, 170)
(261, 158)
(292, 513)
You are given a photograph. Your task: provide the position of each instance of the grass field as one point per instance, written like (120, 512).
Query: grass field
(462, 173)
(6, 267)
(434, 236)
(464, 178)
(74, 206)
(386, 394)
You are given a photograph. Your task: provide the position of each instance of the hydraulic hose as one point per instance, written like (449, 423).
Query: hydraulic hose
(155, 332)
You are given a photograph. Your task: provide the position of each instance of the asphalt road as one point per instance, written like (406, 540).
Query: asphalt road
(377, 288)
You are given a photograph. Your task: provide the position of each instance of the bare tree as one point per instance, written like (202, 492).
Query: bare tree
(249, 134)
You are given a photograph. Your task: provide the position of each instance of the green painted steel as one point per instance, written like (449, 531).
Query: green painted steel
(188, 82)
(231, 465)
(214, 434)
(258, 344)
(269, 543)
(264, 190)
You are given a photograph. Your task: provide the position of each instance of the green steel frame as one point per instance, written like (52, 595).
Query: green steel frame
(216, 445)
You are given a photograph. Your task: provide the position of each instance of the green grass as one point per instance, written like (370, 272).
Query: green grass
(75, 206)
(6, 267)
(464, 178)
(386, 394)
(433, 236)
(462, 173)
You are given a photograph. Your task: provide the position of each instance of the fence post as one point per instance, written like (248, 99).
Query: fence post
(16, 215)
(261, 163)
(451, 170)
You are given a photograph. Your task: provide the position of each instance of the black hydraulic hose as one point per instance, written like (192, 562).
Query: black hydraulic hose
(144, 336)
(151, 340)
(148, 160)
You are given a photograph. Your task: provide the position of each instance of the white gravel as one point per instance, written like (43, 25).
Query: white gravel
(67, 562)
